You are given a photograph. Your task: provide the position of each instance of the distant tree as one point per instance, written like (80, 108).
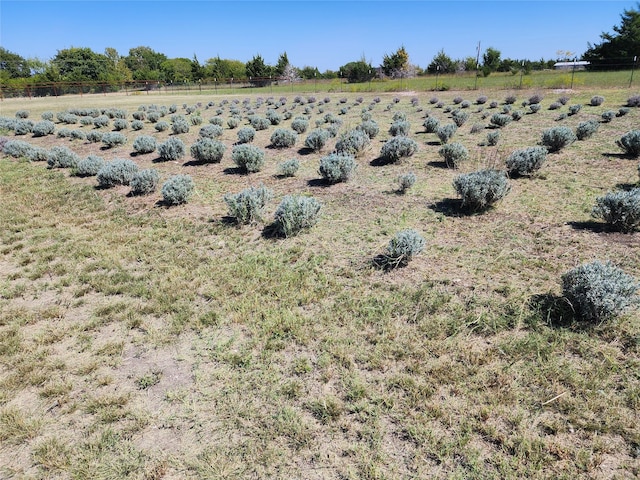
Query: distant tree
(177, 70)
(145, 63)
(13, 65)
(117, 70)
(310, 72)
(281, 66)
(442, 60)
(258, 71)
(290, 74)
(355, 72)
(197, 70)
(397, 64)
(80, 64)
(619, 47)
(222, 68)
(490, 61)
(469, 64)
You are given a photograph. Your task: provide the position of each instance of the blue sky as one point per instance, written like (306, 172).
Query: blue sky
(326, 34)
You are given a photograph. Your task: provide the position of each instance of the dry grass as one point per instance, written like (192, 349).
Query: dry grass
(139, 341)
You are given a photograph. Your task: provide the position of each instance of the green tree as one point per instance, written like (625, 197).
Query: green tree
(397, 64)
(490, 61)
(310, 72)
(13, 65)
(355, 72)
(221, 68)
(619, 47)
(177, 70)
(145, 63)
(258, 71)
(281, 66)
(197, 70)
(442, 60)
(81, 64)
(117, 70)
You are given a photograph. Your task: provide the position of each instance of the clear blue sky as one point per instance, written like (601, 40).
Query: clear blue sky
(326, 34)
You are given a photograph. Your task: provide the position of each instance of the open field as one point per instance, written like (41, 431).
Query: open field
(150, 342)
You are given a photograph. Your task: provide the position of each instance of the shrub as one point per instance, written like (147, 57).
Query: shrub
(457, 100)
(248, 157)
(22, 114)
(207, 150)
(171, 150)
(137, 125)
(431, 124)
(48, 115)
(630, 143)
(370, 128)
(153, 116)
(246, 135)
(145, 182)
(23, 127)
(288, 168)
(90, 166)
(535, 98)
(599, 291)
(574, 109)
(517, 115)
(299, 125)
(477, 127)
(139, 115)
(506, 109)
(62, 157)
(493, 104)
(274, 117)
(623, 111)
(353, 143)
(482, 99)
(43, 128)
(210, 131)
(608, 116)
(586, 129)
(216, 121)
(259, 123)
(233, 122)
(397, 148)
(445, 132)
(17, 148)
(144, 144)
(317, 139)
(95, 136)
(400, 127)
(493, 138)
(120, 124)
(525, 161)
(283, 138)
(620, 210)
(480, 190)
(633, 101)
(117, 172)
(337, 167)
(179, 125)
(555, 106)
(101, 121)
(399, 116)
(596, 101)
(76, 134)
(296, 213)
(113, 139)
(38, 154)
(500, 119)
(64, 133)
(460, 117)
(406, 181)
(401, 249)
(510, 100)
(453, 154)
(177, 190)
(161, 126)
(248, 205)
(195, 120)
(555, 139)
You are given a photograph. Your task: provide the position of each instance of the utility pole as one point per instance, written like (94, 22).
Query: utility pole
(633, 66)
(475, 84)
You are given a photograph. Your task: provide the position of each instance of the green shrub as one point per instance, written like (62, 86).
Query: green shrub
(217, 121)
(317, 139)
(207, 150)
(120, 124)
(90, 166)
(397, 148)
(556, 138)
(248, 157)
(370, 128)
(620, 210)
(259, 123)
(179, 125)
(17, 148)
(144, 182)
(596, 101)
(246, 135)
(62, 157)
(117, 172)
(401, 249)
(23, 127)
(113, 139)
(299, 125)
(480, 190)
(137, 125)
(599, 291)
(296, 213)
(337, 167)
(171, 150)
(144, 144)
(406, 181)
(459, 117)
(431, 124)
(445, 132)
(453, 154)
(574, 109)
(48, 115)
(94, 136)
(500, 119)
(248, 205)
(525, 161)
(586, 129)
(608, 116)
(38, 154)
(274, 117)
(177, 190)
(210, 131)
(233, 122)
(161, 126)
(283, 138)
(288, 168)
(353, 142)
(77, 134)
(493, 138)
(43, 128)
(399, 127)
(630, 143)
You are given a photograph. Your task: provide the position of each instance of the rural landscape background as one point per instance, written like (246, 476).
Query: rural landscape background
(145, 340)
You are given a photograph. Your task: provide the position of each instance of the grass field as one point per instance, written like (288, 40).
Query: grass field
(145, 342)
